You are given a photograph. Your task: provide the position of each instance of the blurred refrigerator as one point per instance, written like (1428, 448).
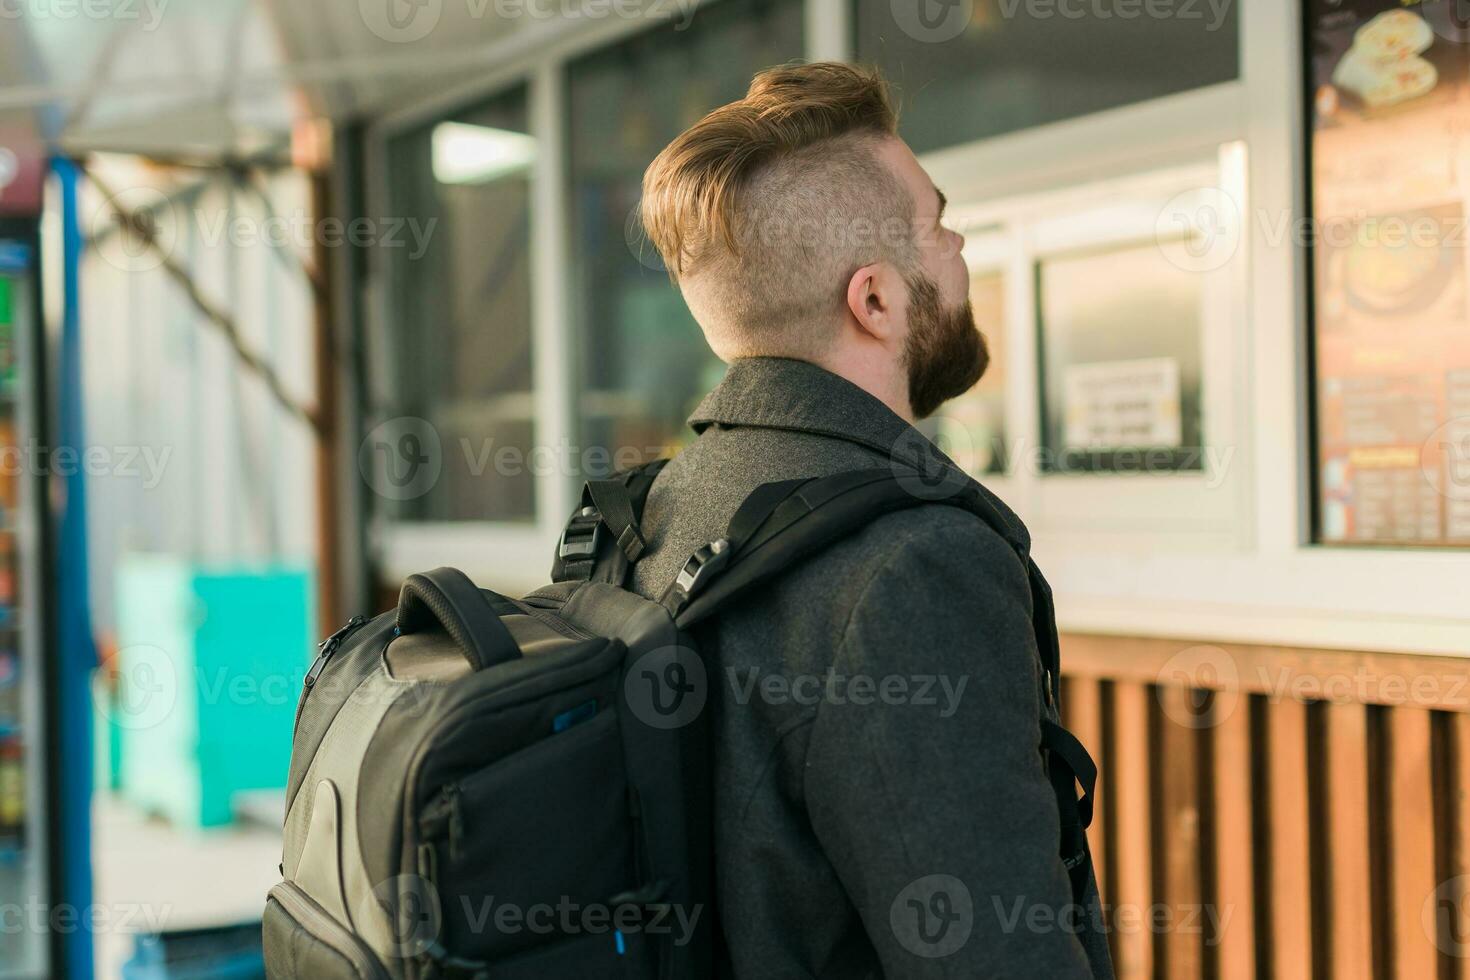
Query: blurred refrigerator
(27, 905)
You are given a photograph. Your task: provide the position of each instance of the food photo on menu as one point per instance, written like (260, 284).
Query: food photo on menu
(1390, 87)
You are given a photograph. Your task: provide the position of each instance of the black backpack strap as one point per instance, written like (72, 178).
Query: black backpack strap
(779, 524)
(1068, 766)
(603, 538)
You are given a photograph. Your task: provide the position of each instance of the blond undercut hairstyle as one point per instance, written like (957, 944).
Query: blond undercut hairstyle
(764, 209)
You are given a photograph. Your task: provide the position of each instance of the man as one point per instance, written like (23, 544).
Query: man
(881, 803)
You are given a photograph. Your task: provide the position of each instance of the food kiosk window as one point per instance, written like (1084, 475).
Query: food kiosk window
(1390, 114)
(458, 444)
(644, 364)
(1119, 334)
(968, 71)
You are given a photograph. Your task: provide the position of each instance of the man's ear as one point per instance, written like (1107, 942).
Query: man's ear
(876, 301)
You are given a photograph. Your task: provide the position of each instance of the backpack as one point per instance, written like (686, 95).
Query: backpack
(484, 787)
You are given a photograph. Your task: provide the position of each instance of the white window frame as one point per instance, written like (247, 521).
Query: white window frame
(1264, 580)
(1186, 509)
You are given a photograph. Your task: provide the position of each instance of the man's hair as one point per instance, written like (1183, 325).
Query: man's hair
(764, 208)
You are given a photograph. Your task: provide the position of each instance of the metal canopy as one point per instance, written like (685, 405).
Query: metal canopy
(225, 79)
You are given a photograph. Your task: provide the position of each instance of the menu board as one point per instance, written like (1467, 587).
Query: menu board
(1390, 198)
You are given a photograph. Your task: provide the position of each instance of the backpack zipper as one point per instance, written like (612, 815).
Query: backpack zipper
(444, 815)
(325, 650)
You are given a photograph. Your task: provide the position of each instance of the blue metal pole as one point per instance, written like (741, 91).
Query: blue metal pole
(75, 651)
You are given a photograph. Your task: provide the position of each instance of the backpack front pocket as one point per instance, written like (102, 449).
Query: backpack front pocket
(518, 857)
(303, 940)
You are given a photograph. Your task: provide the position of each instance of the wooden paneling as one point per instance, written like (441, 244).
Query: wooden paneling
(1410, 842)
(1282, 672)
(1347, 877)
(1233, 842)
(1177, 830)
(1315, 803)
(1132, 865)
(1454, 904)
(1289, 892)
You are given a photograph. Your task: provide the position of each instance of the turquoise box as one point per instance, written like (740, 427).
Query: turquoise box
(210, 663)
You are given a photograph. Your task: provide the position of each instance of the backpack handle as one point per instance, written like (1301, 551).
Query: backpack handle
(446, 597)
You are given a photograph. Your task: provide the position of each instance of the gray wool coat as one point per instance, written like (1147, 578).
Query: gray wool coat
(881, 805)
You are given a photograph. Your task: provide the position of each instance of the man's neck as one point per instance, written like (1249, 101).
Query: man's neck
(871, 370)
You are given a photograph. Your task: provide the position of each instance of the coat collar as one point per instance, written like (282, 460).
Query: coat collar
(780, 393)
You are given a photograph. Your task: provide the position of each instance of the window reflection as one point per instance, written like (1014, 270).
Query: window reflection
(460, 312)
(644, 363)
(1120, 334)
(967, 71)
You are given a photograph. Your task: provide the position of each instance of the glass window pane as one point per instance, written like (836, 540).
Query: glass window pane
(1391, 307)
(460, 321)
(971, 429)
(1120, 361)
(980, 68)
(644, 362)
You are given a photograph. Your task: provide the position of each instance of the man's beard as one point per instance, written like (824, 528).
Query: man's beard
(945, 353)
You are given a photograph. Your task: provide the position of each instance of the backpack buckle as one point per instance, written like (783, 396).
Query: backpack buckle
(582, 537)
(703, 564)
